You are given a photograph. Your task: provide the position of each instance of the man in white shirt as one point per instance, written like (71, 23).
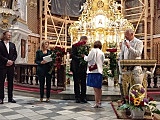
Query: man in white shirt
(132, 49)
(8, 55)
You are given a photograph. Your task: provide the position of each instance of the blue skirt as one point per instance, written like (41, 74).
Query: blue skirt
(94, 80)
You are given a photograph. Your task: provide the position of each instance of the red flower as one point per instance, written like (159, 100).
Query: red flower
(58, 53)
(131, 99)
(127, 97)
(63, 50)
(112, 50)
(142, 103)
(52, 48)
(151, 99)
(80, 43)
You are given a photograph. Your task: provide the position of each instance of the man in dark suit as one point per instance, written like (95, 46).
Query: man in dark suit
(79, 74)
(8, 55)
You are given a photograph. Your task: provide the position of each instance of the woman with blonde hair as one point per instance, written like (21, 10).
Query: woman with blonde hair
(94, 78)
(43, 69)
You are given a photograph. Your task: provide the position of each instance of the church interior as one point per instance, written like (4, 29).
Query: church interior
(62, 23)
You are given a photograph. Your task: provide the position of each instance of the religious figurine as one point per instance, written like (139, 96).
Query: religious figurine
(6, 3)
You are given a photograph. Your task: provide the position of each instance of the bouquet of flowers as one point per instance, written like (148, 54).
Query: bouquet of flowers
(83, 49)
(57, 57)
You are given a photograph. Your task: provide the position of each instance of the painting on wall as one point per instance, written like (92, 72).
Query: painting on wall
(23, 48)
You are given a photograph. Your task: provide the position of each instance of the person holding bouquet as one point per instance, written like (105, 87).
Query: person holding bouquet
(79, 68)
(95, 61)
(43, 70)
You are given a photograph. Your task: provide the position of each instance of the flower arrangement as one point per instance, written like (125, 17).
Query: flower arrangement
(57, 57)
(69, 73)
(137, 100)
(112, 67)
(83, 49)
(107, 72)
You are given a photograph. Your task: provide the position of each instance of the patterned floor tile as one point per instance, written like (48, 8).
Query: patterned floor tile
(65, 112)
(61, 117)
(84, 118)
(43, 111)
(29, 108)
(14, 117)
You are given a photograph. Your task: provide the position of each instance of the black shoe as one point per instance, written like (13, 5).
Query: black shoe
(78, 100)
(12, 101)
(1, 101)
(84, 101)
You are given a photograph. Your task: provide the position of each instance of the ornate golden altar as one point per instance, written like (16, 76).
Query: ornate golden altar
(100, 20)
(127, 75)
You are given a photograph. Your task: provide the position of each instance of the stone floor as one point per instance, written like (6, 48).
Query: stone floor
(107, 90)
(29, 108)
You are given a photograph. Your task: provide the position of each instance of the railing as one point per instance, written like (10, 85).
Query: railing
(155, 80)
(147, 65)
(25, 74)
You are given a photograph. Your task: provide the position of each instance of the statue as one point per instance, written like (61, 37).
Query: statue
(6, 4)
(15, 5)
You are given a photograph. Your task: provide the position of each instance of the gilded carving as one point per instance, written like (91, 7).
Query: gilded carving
(100, 4)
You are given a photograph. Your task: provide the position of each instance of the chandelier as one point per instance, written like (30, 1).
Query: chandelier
(100, 20)
(7, 16)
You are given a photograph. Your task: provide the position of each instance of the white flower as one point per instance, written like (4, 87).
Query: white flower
(109, 72)
(153, 102)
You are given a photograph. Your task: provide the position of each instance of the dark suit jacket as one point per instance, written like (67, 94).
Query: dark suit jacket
(4, 56)
(75, 62)
(42, 69)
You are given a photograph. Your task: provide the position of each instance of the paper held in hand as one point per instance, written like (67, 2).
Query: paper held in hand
(47, 58)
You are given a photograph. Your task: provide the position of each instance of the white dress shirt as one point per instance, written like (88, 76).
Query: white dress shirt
(7, 45)
(135, 50)
(95, 55)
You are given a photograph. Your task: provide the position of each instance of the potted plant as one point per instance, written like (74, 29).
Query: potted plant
(69, 74)
(112, 68)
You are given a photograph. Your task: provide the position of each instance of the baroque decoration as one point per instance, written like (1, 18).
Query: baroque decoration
(7, 16)
(100, 20)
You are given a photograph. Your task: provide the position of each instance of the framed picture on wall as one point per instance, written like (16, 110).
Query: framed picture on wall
(23, 48)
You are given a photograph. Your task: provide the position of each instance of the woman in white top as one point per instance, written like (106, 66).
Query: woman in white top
(94, 78)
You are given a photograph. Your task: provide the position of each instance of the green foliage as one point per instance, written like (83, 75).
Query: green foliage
(113, 45)
(105, 69)
(69, 74)
(83, 50)
(113, 64)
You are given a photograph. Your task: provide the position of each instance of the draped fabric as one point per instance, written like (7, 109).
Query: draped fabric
(67, 7)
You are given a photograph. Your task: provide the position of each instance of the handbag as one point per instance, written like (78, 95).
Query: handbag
(94, 66)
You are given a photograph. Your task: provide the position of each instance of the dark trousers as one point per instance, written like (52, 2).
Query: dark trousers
(42, 79)
(121, 90)
(9, 73)
(79, 83)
